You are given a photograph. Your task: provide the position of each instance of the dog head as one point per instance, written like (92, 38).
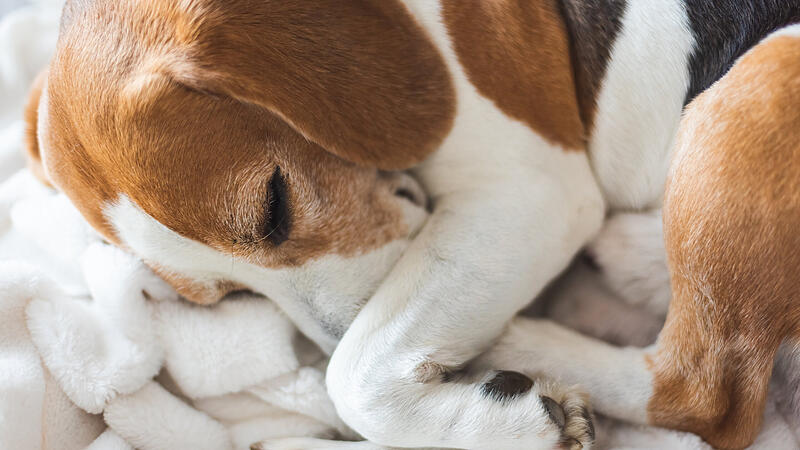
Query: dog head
(247, 144)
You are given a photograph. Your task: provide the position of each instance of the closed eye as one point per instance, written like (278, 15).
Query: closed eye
(278, 222)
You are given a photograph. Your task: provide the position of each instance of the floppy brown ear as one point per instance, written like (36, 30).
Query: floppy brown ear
(31, 141)
(359, 78)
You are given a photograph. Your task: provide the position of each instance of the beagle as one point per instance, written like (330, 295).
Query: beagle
(259, 144)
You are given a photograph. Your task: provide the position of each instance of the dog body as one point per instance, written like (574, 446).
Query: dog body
(733, 282)
(243, 145)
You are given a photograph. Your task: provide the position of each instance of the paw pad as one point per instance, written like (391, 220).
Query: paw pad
(506, 384)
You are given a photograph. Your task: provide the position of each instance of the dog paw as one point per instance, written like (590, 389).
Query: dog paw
(567, 410)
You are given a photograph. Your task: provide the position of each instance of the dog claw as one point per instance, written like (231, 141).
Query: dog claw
(574, 444)
(555, 411)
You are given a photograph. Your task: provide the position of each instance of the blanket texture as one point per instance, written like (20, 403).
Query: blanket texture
(97, 352)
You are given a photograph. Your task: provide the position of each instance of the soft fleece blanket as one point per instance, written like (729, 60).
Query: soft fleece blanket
(96, 352)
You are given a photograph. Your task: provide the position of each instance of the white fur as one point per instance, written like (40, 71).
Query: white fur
(323, 294)
(637, 272)
(503, 226)
(640, 102)
(790, 31)
(633, 262)
(638, 113)
(22, 424)
(448, 281)
(510, 212)
(618, 378)
(468, 271)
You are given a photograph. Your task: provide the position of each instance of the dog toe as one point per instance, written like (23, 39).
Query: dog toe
(578, 429)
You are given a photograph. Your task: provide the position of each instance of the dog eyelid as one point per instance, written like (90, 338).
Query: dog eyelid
(278, 223)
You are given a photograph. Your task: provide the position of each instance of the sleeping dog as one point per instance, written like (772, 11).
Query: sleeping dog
(246, 144)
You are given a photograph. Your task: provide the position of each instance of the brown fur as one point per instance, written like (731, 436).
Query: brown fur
(516, 53)
(361, 79)
(196, 103)
(731, 221)
(187, 107)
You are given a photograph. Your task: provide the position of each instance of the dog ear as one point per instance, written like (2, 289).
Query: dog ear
(31, 140)
(358, 78)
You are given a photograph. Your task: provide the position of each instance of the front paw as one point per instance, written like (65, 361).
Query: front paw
(567, 409)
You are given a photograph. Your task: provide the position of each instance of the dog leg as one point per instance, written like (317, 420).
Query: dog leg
(714, 390)
(390, 377)
(730, 226)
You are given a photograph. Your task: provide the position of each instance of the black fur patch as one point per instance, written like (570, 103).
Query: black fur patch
(726, 29)
(593, 26)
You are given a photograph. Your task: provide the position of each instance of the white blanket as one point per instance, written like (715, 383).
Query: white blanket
(96, 351)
